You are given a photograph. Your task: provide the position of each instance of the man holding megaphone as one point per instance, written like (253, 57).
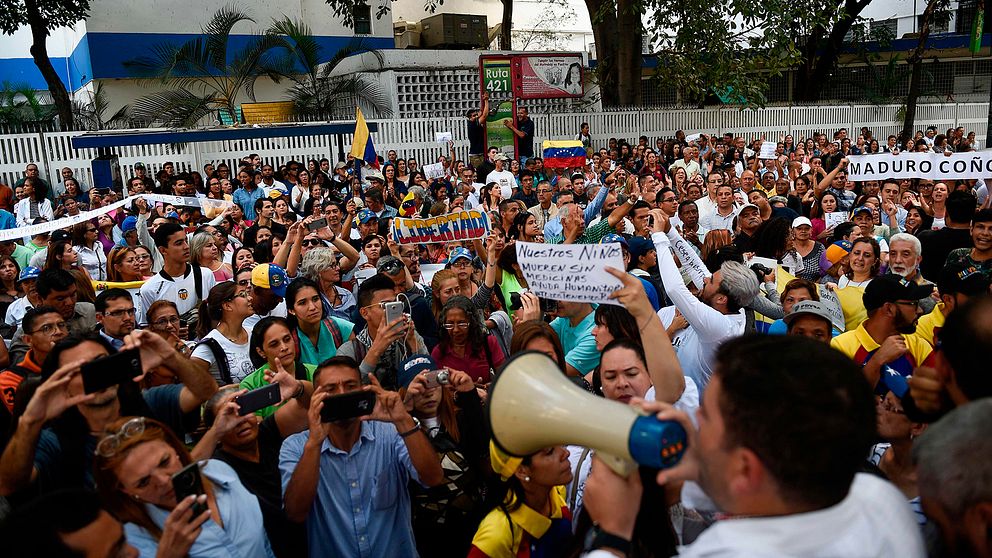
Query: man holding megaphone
(784, 427)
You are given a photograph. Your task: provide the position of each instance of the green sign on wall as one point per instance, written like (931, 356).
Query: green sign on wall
(496, 75)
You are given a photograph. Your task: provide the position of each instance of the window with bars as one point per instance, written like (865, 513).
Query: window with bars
(362, 16)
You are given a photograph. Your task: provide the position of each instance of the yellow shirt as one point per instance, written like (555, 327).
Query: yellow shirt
(928, 326)
(498, 538)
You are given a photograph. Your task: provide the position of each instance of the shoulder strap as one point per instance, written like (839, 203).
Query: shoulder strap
(219, 357)
(197, 282)
(335, 332)
(575, 479)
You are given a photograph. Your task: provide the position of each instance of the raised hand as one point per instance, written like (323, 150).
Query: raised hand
(388, 405)
(181, 529)
(52, 398)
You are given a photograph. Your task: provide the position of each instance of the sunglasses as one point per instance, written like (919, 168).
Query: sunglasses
(313, 242)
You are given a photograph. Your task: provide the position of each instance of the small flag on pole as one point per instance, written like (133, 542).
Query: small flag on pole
(976, 31)
(564, 154)
(361, 146)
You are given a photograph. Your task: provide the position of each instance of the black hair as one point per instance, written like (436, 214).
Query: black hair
(372, 285)
(50, 280)
(211, 309)
(982, 216)
(110, 294)
(262, 251)
(516, 230)
(843, 229)
(292, 291)
(618, 322)
(478, 337)
(804, 409)
(960, 206)
(964, 342)
(260, 202)
(258, 338)
(36, 528)
(771, 237)
(163, 232)
(338, 360)
(640, 204)
(32, 316)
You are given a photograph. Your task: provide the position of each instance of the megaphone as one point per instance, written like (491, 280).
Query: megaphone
(532, 405)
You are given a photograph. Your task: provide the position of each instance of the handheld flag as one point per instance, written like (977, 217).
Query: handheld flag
(564, 154)
(361, 146)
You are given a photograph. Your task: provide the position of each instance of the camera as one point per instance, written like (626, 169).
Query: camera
(760, 271)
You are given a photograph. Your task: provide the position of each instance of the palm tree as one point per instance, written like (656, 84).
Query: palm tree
(201, 76)
(90, 115)
(19, 104)
(316, 93)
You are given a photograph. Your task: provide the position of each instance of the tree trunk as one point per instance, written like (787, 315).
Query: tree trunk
(916, 60)
(821, 53)
(628, 53)
(39, 51)
(505, 35)
(604, 30)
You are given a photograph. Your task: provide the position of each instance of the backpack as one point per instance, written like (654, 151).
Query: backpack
(220, 357)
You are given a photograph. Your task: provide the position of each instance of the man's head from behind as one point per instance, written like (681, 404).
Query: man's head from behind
(65, 524)
(953, 472)
(784, 424)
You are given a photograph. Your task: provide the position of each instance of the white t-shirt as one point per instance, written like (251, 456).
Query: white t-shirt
(238, 359)
(181, 290)
(873, 520)
(16, 311)
(505, 180)
(279, 311)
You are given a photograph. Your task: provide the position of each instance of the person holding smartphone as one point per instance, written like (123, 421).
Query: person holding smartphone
(136, 466)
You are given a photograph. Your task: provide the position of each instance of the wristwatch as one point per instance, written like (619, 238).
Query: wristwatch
(412, 431)
(598, 538)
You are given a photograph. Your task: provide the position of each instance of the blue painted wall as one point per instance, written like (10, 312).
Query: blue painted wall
(102, 55)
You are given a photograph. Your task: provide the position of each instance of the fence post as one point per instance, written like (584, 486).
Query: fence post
(45, 158)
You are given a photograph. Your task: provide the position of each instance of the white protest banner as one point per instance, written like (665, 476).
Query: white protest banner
(834, 218)
(935, 166)
(690, 261)
(832, 304)
(442, 137)
(434, 170)
(427, 272)
(183, 201)
(571, 272)
(692, 137)
(768, 150)
(470, 224)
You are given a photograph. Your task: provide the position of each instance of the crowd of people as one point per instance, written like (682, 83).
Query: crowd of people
(820, 340)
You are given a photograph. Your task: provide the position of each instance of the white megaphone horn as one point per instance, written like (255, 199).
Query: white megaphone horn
(532, 405)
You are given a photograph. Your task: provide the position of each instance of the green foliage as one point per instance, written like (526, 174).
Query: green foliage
(90, 115)
(19, 104)
(54, 13)
(732, 47)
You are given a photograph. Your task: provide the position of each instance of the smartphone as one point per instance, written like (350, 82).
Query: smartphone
(111, 370)
(316, 224)
(187, 482)
(394, 311)
(347, 406)
(258, 399)
(515, 302)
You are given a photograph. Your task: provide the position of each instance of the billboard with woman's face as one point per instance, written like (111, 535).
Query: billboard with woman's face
(550, 76)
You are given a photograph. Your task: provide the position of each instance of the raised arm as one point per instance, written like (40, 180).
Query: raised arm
(198, 384)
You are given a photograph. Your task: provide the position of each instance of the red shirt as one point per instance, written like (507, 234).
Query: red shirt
(475, 365)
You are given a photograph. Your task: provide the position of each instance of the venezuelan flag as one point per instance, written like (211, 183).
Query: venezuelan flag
(564, 154)
(361, 146)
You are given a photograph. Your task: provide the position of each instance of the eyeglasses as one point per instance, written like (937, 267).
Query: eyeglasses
(142, 258)
(166, 322)
(913, 303)
(543, 191)
(91, 230)
(313, 242)
(110, 443)
(121, 313)
(49, 329)
(459, 325)
(244, 282)
(241, 294)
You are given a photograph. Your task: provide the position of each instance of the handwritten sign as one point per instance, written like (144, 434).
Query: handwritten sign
(442, 137)
(471, 224)
(835, 218)
(768, 150)
(434, 170)
(690, 262)
(935, 166)
(692, 137)
(571, 272)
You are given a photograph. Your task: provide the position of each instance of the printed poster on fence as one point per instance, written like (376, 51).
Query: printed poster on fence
(935, 166)
(571, 272)
(471, 224)
(550, 76)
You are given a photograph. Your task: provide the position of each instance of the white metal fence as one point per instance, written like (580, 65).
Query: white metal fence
(416, 138)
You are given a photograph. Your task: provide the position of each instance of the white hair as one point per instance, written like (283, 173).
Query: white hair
(906, 237)
(315, 261)
(738, 282)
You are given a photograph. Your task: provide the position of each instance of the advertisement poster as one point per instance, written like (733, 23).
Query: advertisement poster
(550, 77)
(497, 134)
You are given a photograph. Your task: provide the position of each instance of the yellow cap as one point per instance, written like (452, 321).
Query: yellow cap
(503, 463)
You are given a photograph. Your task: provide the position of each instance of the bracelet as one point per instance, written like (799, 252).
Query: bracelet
(646, 324)
(412, 431)
(299, 391)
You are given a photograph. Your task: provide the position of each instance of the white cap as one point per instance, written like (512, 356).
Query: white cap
(747, 205)
(800, 221)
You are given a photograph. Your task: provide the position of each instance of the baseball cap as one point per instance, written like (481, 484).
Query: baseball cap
(577, 175)
(501, 157)
(800, 221)
(412, 366)
(810, 308)
(614, 237)
(861, 209)
(340, 165)
(374, 174)
(638, 246)
(270, 276)
(172, 215)
(139, 165)
(366, 215)
(836, 251)
(962, 279)
(359, 202)
(747, 206)
(459, 253)
(129, 224)
(60, 234)
(891, 288)
(275, 194)
(28, 273)
(390, 265)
